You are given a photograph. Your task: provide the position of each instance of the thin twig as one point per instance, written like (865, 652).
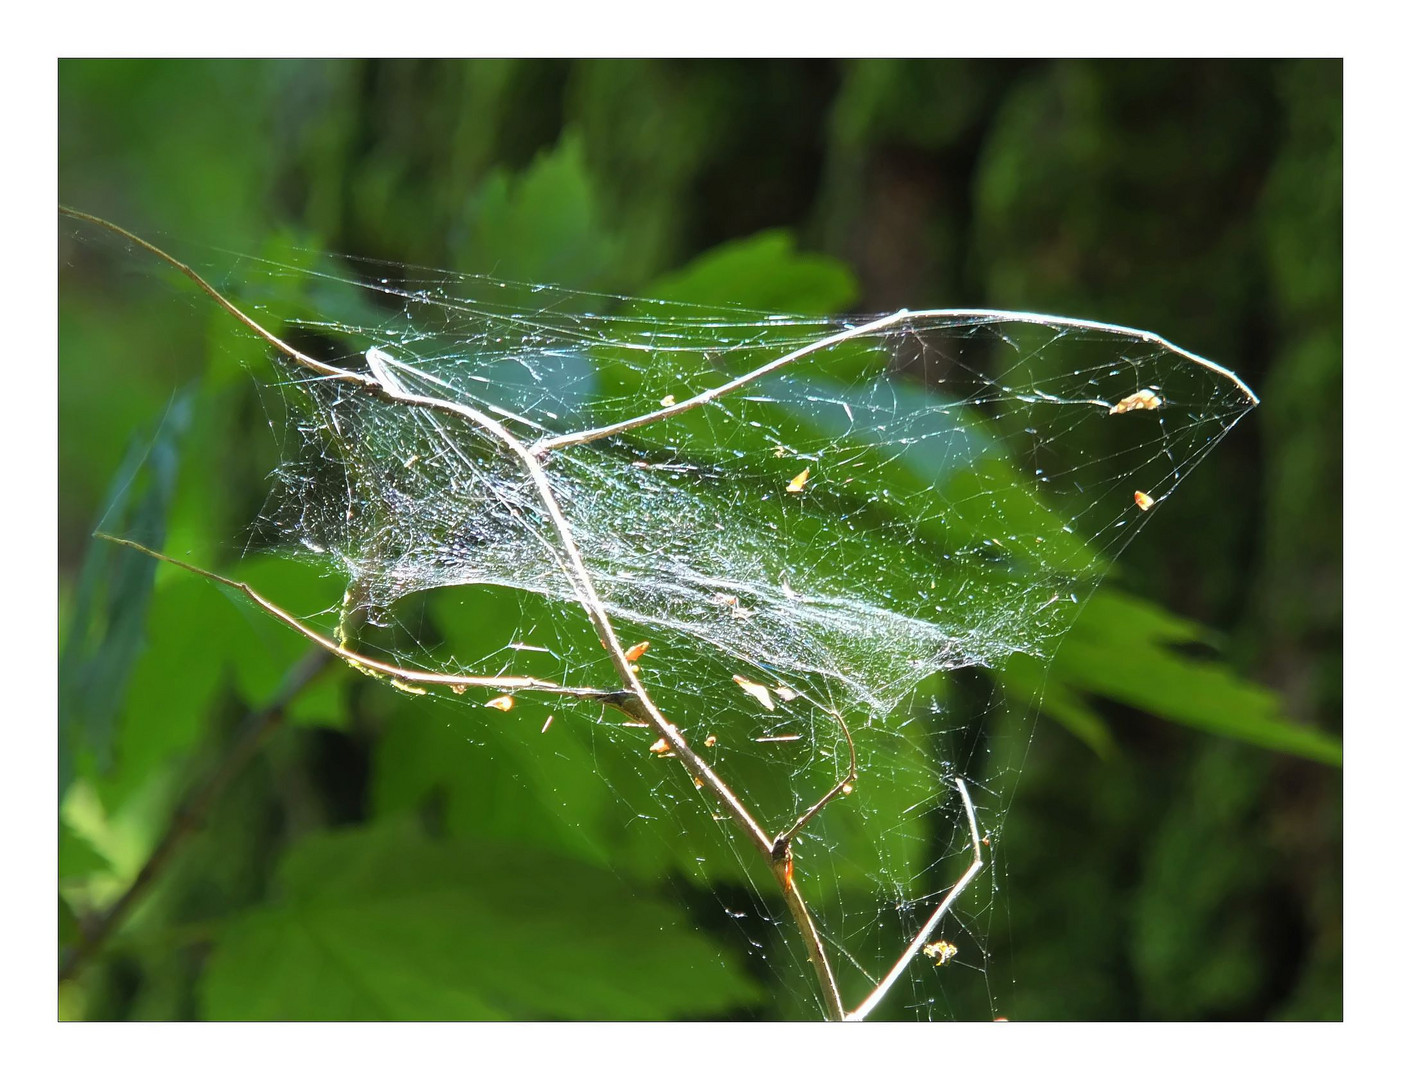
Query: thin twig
(705, 397)
(841, 787)
(647, 710)
(637, 701)
(300, 357)
(884, 322)
(189, 816)
(882, 988)
(515, 683)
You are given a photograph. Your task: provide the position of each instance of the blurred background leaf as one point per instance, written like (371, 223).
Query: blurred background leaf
(386, 924)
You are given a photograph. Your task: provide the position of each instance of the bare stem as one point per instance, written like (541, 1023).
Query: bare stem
(884, 322)
(917, 942)
(577, 438)
(841, 787)
(350, 656)
(634, 698)
(300, 357)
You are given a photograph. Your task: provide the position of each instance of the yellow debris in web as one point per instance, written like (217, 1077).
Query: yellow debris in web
(1143, 399)
(505, 703)
(798, 482)
(1144, 500)
(941, 952)
(757, 691)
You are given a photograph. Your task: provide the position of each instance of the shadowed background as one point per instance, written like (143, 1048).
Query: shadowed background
(1153, 870)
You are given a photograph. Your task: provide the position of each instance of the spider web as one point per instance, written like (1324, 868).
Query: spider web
(866, 531)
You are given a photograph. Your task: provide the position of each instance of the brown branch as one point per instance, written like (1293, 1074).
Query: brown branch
(927, 930)
(577, 438)
(968, 316)
(648, 712)
(218, 297)
(515, 683)
(190, 815)
(385, 387)
(784, 840)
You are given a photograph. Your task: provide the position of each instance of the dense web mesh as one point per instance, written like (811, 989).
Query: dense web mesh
(860, 524)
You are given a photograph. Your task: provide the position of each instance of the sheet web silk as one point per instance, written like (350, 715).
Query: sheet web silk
(870, 530)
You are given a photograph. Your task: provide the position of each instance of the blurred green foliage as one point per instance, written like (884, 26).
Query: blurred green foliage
(374, 860)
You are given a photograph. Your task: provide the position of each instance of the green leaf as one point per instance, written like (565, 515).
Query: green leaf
(762, 273)
(491, 783)
(1027, 682)
(386, 924)
(77, 858)
(203, 643)
(1127, 650)
(541, 225)
(107, 620)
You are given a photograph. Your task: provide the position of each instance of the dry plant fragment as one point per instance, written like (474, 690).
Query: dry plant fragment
(941, 952)
(662, 748)
(757, 691)
(796, 485)
(1143, 399)
(1144, 500)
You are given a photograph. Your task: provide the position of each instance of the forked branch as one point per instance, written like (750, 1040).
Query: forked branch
(927, 930)
(633, 697)
(783, 842)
